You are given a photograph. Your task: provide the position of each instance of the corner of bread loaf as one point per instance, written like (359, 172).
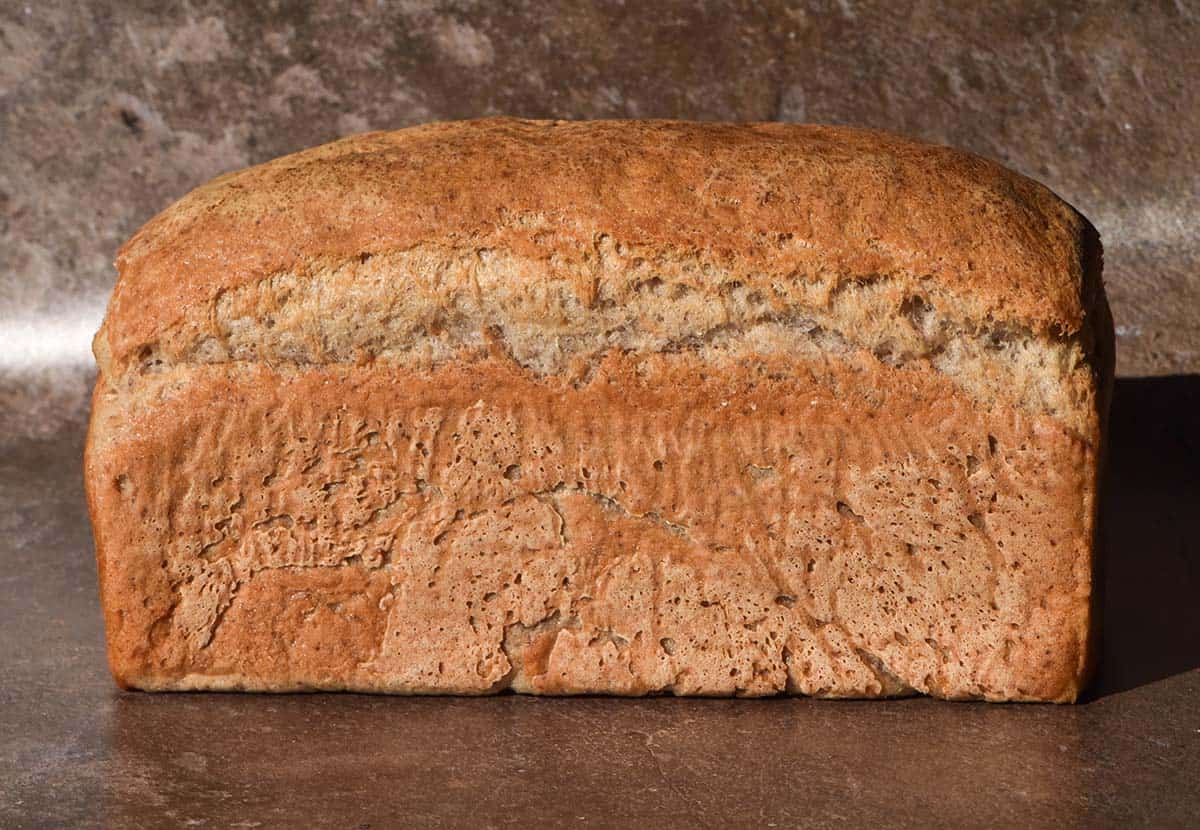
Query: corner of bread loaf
(1100, 337)
(103, 486)
(127, 677)
(100, 516)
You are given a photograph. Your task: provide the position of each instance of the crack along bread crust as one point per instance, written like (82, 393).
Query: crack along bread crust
(620, 407)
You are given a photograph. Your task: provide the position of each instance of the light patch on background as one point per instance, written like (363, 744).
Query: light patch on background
(1149, 223)
(59, 338)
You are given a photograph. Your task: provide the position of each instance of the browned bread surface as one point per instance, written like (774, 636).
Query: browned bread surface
(624, 407)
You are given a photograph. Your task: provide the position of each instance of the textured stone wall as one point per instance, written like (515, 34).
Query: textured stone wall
(111, 110)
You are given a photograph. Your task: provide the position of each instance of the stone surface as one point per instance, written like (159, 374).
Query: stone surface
(76, 752)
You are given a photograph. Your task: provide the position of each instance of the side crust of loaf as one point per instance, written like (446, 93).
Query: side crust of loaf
(672, 525)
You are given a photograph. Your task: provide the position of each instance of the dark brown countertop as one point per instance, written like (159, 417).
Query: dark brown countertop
(75, 751)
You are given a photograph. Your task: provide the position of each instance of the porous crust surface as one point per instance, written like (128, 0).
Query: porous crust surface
(672, 525)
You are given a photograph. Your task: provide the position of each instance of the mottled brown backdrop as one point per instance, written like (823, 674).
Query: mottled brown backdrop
(111, 110)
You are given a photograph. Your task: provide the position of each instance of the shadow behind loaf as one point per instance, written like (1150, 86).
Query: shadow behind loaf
(1150, 534)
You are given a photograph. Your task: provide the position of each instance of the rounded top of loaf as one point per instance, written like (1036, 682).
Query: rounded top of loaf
(764, 202)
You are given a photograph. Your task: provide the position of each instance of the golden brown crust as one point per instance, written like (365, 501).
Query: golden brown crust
(851, 203)
(673, 525)
(625, 407)
(91, 476)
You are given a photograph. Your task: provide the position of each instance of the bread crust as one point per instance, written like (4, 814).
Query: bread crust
(670, 526)
(852, 203)
(302, 504)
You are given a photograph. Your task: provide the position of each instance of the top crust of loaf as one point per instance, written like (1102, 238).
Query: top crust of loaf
(765, 202)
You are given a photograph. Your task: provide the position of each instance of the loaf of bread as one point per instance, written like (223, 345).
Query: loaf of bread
(611, 407)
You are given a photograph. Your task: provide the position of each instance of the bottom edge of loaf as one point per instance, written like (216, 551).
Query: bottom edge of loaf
(244, 684)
